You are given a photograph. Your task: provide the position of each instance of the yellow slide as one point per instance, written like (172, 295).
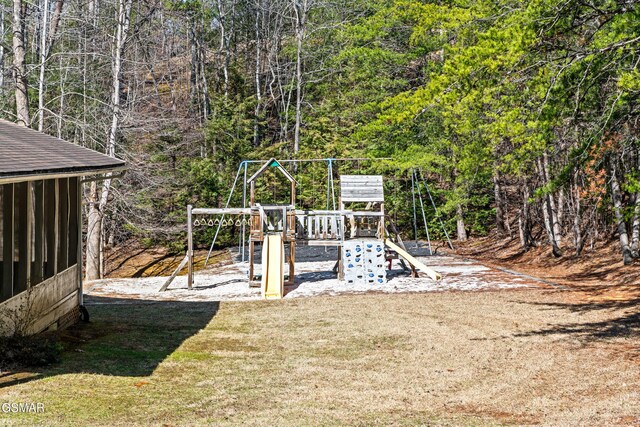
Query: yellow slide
(411, 260)
(273, 267)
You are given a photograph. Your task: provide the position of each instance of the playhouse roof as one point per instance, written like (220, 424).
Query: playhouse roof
(272, 162)
(361, 188)
(27, 154)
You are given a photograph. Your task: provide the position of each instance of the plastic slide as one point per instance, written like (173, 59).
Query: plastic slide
(411, 260)
(273, 267)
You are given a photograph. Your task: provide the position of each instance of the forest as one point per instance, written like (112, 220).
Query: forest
(522, 116)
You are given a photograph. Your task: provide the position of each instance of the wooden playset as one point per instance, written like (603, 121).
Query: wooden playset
(360, 234)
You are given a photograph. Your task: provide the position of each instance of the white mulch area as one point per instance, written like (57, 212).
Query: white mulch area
(313, 276)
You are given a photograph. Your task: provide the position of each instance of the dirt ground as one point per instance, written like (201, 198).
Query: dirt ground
(134, 260)
(597, 276)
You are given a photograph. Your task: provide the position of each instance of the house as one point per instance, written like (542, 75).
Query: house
(41, 227)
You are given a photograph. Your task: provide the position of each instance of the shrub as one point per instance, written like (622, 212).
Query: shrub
(28, 351)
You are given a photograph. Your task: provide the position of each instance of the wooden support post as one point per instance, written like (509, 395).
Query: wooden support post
(325, 226)
(25, 210)
(396, 232)
(174, 274)
(8, 240)
(293, 193)
(292, 262)
(188, 259)
(244, 205)
(252, 194)
(189, 247)
(414, 272)
(51, 226)
(252, 247)
(381, 227)
(354, 226)
(334, 227)
(78, 209)
(38, 230)
(63, 224)
(292, 241)
(291, 225)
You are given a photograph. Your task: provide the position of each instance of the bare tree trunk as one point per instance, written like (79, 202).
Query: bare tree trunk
(94, 8)
(99, 199)
(224, 46)
(62, 95)
(85, 55)
(48, 32)
(194, 82)
(500, 216)
(524, 222)
(577, 215)
(1, 51)
(635, 228)
(635, 225)
(547, 212)
(280, 96)
(19, 67)
(202, 54)
(256, 125)
(460, 226)
(199, 87)
(43, 58)
(53, 25)
(616, 195)
(204, 86)
(555, 209)
(558, 209)
(548, 208)
(547, 222)
(300, 9)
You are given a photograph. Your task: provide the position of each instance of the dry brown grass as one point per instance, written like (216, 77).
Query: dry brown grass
(489, 358)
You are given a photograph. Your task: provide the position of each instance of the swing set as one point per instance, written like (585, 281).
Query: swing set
(279, 226)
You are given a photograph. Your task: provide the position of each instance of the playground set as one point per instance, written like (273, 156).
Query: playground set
(357, 227)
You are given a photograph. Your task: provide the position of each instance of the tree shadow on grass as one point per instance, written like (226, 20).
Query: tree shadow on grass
(624, 321)
(125, 337)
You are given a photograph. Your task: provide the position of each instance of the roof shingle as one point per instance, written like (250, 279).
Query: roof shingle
(26, 152)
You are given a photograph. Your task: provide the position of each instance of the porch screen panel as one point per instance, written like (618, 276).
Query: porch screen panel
(51, 227)
(63, 224)
(7, 237)
(74, 217)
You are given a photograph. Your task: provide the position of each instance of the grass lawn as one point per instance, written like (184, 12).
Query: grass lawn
(488, 358)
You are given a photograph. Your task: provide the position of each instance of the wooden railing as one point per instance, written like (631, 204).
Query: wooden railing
(319, 225)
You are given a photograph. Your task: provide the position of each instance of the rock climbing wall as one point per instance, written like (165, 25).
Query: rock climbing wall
(363, 261)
